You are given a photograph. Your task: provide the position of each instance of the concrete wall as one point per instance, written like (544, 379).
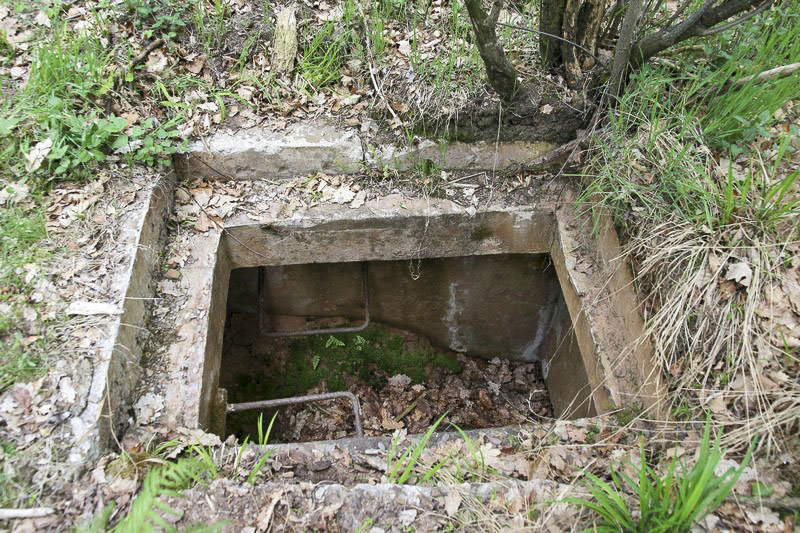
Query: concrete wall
(490, 305)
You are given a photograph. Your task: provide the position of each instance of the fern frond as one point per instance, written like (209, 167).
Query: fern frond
(166, 480)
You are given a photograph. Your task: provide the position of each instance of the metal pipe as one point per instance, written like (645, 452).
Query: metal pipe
(266, 404)
(321, 331)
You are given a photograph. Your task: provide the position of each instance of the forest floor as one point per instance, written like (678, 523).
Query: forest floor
(707, 209)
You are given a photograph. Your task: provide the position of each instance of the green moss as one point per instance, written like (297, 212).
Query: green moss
(626, 415)
(372, 356)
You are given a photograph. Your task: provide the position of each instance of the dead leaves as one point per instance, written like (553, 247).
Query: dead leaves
(36, 156)
(206, 207)
(739, 272)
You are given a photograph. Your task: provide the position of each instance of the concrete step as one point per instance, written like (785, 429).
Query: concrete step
(286, 506)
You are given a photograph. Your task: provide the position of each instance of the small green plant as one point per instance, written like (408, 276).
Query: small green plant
(209, 23)
(158, 18)
(166, 480)
(263, 439)
(399, 468)
(668, 503)
(330, 48)
(475, 467)
(333, 342)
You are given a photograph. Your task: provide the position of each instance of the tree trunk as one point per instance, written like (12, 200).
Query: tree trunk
(501, 73)
(551, 20)
(622, 52)
(582, 19)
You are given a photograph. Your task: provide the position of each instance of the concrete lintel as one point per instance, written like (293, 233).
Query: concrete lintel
(302, 149)
(422, 229)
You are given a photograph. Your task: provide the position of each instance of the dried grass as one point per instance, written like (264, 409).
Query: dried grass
(709, 333)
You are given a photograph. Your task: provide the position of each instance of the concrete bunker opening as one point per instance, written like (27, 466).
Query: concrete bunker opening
(403, 342)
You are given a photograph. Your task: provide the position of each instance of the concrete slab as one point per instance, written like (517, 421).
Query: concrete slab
(117, 367)
(319, 146)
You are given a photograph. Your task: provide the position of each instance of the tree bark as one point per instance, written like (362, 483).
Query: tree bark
(501, 73)
(622, 51)
(551, 20)
(582, 19)
(695, 25)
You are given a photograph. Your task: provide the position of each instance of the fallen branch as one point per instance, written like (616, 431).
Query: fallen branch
(33, 512)
(778, 72)
(120, 75)
(777, 504)
(410, 407)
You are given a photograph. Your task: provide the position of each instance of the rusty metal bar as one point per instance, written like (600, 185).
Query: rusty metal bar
(266, 404)
(321, 331)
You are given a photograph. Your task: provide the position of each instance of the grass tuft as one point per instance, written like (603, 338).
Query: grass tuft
(669, 502)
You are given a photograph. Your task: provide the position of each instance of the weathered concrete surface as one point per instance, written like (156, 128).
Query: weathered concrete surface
(488, 305)
(392, 227)
(460, 156)
(258, 153)
(522, 505)
(117, 367)
(598, 288)
(304, 149)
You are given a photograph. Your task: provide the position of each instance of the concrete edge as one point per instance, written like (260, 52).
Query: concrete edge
(598, 288)
(118, 370)
(304, 149)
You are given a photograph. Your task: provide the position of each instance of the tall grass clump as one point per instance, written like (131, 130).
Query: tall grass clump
(732, 114)
(667, 503)
(704, 187)
(658, 156)
(329, 48)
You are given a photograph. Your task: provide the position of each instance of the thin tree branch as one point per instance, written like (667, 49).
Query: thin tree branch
(678, 12)
(576, 45)
(778, 72)
(738, 21)
(695, 25)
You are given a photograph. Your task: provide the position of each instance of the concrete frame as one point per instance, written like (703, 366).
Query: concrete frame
(615, 360)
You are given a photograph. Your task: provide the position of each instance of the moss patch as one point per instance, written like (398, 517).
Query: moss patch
(371, 356)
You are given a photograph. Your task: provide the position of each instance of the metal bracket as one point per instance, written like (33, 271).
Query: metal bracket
(309, 332)
(266, 404)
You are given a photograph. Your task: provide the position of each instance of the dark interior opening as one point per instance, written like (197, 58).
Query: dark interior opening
(471, 338)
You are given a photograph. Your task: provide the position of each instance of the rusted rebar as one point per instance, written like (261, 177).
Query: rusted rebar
(280, 402)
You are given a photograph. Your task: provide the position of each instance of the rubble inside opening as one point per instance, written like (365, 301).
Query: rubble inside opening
(463, 337)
